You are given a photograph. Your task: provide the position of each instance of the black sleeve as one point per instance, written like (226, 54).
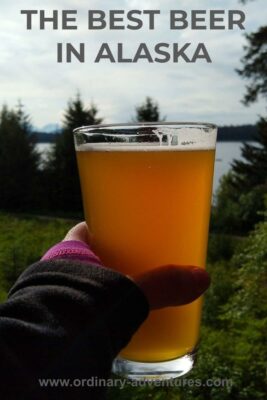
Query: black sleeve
(68, 320)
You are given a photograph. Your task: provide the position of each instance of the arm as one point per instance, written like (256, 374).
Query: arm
(65, 319)
(68, 317)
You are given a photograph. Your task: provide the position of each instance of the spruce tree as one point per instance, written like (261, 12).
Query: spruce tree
(241, 198)
(254, 66)
(148, 111)
(62, 171)
(252, 170)
(18, 161)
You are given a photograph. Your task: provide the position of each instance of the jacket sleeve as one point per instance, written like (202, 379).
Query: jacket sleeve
(65, 319)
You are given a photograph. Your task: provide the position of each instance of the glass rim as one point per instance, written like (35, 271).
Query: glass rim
(201, 125)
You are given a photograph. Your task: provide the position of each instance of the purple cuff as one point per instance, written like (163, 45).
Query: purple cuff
(72, 250)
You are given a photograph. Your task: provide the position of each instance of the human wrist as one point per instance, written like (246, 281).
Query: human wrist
(72, 249)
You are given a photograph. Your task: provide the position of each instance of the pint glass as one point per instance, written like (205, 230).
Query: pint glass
(147, 192)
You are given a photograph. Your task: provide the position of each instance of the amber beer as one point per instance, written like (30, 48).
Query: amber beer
(148, 205)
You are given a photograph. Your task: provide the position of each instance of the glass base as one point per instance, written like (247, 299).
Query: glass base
(154, 371)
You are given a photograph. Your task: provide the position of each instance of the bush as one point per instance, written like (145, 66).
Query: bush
(234, 343)
(222, 247)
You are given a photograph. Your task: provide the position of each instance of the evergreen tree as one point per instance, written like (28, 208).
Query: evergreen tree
(77, 115)
(62, 171)
(18, 161)
(241, 195)
(255, 65)
(148, 111)
(240, 200)
(252, 170)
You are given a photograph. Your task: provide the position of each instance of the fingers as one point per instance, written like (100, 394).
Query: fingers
(79, 232)
(173, 285)
(165, 286)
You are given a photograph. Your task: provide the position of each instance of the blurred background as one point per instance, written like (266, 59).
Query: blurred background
(41, 103)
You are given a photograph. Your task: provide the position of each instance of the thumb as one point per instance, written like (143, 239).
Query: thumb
(173, 285)
(79, 232)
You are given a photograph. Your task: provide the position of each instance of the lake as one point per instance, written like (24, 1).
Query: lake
(226, 152)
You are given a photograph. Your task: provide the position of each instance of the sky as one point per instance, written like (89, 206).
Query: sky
(200, 91)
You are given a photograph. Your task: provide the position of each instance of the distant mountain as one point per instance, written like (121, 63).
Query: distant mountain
(42, 137)
(241, 133)
(49, 128)
(47, 133)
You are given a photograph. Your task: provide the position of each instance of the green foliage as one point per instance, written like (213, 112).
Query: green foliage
(225, 214)
(144, 391)
(148, 111)
(222, 278)
(248, 333)
(78, 115)
(250, 298)
(255, 66)
(18, 161)
(240, 199)
(222, 246)
(212, 365)
(234, 333)
(23, 241)
(237, 209)
(61, 178)
(251, 170)
(241, 196)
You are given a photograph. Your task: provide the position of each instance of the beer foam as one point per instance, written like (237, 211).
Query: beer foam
(186, 139)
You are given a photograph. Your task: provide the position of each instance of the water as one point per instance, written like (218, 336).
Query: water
(226, 152)
(43, 149)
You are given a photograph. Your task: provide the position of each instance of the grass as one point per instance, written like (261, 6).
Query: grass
(23, 241)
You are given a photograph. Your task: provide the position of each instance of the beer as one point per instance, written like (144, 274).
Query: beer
(148, 207)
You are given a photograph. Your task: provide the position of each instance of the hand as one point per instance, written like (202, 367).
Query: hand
(165, 286)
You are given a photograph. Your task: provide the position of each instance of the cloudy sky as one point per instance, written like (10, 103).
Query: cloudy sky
(204, 92)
